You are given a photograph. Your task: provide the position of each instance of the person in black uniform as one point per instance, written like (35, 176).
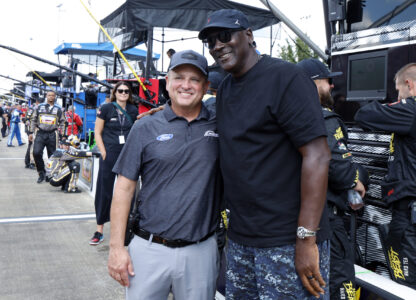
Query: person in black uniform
(5, 120)
(343, 176)
(112, 127)
(2, 117)
(45, 122)
(399, 185)
(28, 161)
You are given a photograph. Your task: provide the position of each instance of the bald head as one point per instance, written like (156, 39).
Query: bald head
(407, 72)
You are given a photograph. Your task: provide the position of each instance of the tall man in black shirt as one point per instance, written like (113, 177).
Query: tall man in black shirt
(399, 186)
(274, 160)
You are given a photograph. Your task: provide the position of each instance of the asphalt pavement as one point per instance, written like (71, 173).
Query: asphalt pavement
(44, 234)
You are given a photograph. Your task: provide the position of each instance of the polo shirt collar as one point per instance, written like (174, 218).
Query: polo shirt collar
(170, 115)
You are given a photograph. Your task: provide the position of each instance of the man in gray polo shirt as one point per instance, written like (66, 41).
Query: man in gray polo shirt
(175, 152)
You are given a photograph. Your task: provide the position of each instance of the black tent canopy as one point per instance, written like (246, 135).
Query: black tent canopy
(129, 24)
(56, 76)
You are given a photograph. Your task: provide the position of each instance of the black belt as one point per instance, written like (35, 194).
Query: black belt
(168, 243)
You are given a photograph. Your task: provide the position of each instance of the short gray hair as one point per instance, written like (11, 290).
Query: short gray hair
(406, 72)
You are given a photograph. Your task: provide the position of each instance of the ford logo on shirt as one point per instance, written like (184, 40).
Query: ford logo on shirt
(165, 137)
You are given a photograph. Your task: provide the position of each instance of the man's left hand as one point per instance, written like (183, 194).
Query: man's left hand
(307, 266)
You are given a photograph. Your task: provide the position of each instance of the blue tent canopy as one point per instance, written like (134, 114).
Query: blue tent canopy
(102, 52)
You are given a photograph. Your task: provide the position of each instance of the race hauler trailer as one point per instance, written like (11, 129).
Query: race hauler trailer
(369, 41)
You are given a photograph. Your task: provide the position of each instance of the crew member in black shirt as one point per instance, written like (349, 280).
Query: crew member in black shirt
(112, 126)
(399, 186)
(2, 116)
(343, 176)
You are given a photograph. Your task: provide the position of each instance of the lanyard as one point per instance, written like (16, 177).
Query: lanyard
(121, 119)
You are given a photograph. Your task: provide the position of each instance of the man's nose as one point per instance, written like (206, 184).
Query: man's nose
(218, 45)
(186, 84)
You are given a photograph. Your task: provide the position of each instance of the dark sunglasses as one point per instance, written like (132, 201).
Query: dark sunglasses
(121, 91)
(223, 36)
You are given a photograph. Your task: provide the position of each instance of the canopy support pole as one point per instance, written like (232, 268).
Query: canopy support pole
(115, 64)
(149, 62)
(163, 47)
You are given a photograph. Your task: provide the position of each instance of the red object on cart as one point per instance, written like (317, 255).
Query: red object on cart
(154, 88)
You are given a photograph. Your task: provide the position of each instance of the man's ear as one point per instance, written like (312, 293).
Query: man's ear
(249, 34)
(412, 87)
(409, 83)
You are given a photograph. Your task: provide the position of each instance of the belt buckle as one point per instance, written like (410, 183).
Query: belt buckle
(165, 242)
(335, 210)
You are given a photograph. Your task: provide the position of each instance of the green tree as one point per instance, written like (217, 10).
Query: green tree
(296, 51)
(287, 53)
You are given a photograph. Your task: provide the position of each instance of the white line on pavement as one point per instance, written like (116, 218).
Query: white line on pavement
(47, 218)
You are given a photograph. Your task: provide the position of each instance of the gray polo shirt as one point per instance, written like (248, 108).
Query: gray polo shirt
(179, 167)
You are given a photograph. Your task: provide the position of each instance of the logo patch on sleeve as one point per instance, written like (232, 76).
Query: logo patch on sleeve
(164, 137)
(341, 146)
(345, 155)
(338, 134)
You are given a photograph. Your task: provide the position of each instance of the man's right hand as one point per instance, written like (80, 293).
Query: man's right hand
(103, 155)
(30, 137)
(120, 265)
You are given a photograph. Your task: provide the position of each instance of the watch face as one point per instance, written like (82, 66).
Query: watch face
(301, 232)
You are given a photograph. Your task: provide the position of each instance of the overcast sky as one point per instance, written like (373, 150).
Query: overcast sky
(38, 27)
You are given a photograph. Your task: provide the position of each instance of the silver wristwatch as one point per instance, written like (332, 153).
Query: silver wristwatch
(302, 232)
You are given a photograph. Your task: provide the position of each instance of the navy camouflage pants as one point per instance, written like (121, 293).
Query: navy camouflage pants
(269, 273)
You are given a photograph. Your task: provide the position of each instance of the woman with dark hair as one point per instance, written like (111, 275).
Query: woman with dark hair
(112, 126)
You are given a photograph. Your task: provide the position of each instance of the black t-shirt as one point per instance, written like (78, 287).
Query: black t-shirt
(263, 118)
(115, 125)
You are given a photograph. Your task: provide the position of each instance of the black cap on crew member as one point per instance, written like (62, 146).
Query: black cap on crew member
(316, 69)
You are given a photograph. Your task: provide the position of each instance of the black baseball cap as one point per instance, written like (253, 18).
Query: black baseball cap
(215, 79)
(224, 18)
(189, 57)
(316, 69)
